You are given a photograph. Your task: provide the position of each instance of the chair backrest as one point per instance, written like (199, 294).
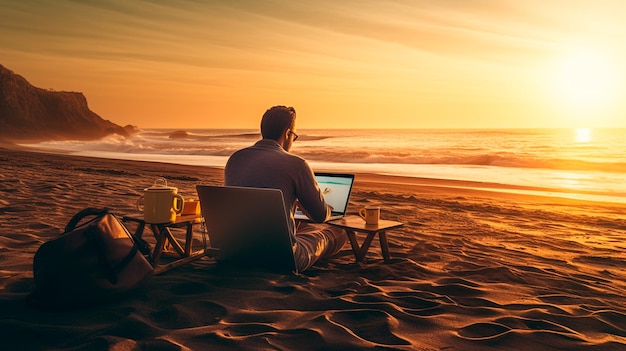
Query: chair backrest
(248, 226)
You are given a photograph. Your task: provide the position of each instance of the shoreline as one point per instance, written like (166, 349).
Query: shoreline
(462, 186)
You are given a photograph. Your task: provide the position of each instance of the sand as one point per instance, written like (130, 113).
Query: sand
(471, 270)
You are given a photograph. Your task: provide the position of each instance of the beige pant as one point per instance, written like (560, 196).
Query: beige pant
(316, 241)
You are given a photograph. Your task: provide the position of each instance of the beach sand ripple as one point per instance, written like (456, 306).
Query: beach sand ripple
(471, 270)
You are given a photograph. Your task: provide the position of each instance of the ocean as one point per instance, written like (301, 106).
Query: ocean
(582, 163)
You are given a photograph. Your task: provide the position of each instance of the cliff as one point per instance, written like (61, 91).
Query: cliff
(28, 113)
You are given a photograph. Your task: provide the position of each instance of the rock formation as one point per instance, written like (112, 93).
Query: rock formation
(28, 113)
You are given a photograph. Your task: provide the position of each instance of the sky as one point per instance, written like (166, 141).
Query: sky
(340, 64)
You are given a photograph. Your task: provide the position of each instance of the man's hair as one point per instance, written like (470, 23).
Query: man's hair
(276, 121)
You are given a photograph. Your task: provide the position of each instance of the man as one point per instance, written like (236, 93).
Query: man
(268, 164)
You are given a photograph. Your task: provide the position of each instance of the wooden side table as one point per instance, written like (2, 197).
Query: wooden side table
(353, 224)
(162, 233)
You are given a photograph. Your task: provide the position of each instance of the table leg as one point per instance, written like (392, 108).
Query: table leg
(384, 246)
(355, 246)
(140, 228)
(358, 253)
(163, 235)
(361, 251)
(366, 244)
(172, 240)
(160, 244)
(188, 239)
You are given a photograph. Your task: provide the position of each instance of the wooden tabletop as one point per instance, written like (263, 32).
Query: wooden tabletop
(357, 223)
(180, 219)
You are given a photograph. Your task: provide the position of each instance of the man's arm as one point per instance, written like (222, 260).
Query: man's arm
(310, 197)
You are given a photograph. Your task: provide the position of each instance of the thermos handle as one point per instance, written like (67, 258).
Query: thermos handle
(160, 182)
(140, 203)
(178, 205)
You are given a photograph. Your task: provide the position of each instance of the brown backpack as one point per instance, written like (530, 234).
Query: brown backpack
(89, 263)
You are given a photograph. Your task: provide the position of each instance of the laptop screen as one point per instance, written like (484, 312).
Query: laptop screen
(336, 188)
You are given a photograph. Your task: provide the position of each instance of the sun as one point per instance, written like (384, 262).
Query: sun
(585, 80)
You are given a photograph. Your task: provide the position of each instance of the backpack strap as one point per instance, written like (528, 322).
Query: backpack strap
(90, 211)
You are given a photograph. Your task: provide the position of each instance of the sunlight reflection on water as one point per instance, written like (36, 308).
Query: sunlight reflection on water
(583, 135)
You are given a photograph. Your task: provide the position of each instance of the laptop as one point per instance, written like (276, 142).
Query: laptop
(260, 239)
(336, 188)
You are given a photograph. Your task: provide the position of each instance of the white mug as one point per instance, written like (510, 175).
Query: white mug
(371, 214)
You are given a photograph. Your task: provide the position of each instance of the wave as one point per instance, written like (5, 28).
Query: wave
(363, 149)
(183, 134)
(487, 159)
